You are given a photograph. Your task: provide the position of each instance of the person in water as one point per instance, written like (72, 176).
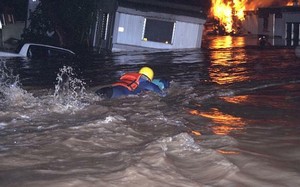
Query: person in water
(134, 83)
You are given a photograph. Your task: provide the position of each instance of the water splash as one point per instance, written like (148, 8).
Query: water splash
(69, 90)
(11, 92)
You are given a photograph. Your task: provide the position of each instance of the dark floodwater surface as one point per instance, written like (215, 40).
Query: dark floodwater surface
(230, 118)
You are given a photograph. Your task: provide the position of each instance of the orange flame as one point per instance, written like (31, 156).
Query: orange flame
(254, 4)
(291, 3)
(230, 12)
(226, 11)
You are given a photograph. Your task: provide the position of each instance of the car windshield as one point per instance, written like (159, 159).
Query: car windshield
(35, 51)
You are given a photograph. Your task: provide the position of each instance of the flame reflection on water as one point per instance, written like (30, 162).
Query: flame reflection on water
(225, 123)
(227, 42)
(223, 71)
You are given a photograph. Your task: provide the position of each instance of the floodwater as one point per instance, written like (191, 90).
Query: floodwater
(230, 118)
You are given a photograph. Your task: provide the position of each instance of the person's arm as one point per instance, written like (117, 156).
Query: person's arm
(149, 86)
(161, 83)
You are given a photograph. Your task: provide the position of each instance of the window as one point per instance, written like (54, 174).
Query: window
(158, 31)
(293, 34)
(42, 52)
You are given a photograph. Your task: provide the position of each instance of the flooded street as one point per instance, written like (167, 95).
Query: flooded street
(230, 118)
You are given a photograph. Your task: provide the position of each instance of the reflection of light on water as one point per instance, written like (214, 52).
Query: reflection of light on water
(225, 152)
(227, 78)
(226, 122)
(281, 102)
(197, 133)
(236, 99)
(226, 65)
(227, 42)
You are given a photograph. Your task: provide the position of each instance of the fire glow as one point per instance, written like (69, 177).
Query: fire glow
(226, 12)
(230, 13)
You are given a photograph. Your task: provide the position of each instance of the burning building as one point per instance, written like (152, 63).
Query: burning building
(227, 15)
(276, 19)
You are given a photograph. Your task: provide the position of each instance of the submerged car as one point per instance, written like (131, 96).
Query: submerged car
(33, 50)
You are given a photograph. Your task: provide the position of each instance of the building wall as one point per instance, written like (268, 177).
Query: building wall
(102, 29)
(11, 31)
(188, 35)
(280, 23)
(266, 29)
(133, 29)
(276, 27)
(250, 24)
(292, 36)
(128, 31)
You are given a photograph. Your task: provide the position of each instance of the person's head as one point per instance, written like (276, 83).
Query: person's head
(148, 72)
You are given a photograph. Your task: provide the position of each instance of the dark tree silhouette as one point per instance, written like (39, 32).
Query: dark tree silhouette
(64, 23)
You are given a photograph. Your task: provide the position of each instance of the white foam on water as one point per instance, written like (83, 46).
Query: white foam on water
(73, 139)
(2, 125)
(69, 91)
(10, 89)
(169, 161)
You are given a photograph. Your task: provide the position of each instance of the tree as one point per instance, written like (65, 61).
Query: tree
(70, 21)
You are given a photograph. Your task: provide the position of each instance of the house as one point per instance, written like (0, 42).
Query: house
(250, 23)
(279, 24)
(10, 28)
(138, 24)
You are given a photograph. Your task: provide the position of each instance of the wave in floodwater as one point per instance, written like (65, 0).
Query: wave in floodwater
(207, 131)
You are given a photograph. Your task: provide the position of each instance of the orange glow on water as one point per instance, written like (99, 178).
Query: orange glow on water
(225, 152)
(197, 133)
(225, 122)
(227, 42)
(222, 71)
(236, 99)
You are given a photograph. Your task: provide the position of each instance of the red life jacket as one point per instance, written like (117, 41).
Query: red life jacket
(129, 80)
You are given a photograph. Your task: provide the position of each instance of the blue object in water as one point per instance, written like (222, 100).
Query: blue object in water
(161, 83)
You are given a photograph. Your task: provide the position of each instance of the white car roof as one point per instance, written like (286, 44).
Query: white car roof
(25, 47)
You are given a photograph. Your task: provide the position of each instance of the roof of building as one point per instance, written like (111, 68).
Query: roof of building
(279, 9)
(190, 8)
